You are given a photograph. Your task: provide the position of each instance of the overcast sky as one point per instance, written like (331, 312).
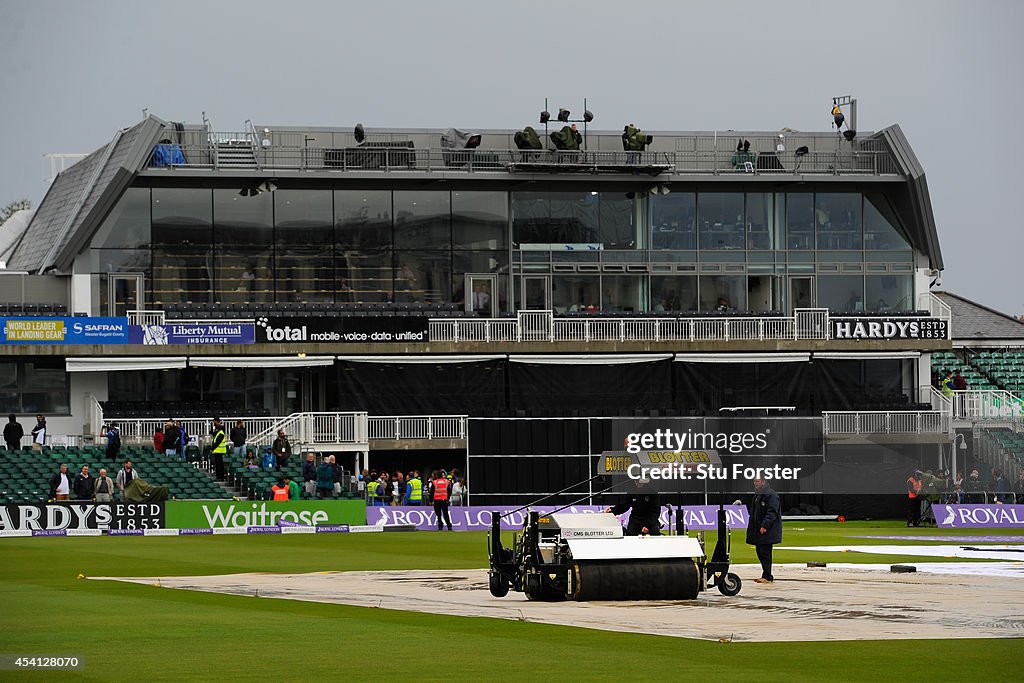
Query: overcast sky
(72, 73)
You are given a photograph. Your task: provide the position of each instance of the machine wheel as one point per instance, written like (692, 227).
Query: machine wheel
(498, 585)
(729, 584)
(542, 593)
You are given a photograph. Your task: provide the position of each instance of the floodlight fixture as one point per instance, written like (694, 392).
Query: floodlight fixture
(545, 116)
(563, 115)
(588, 116)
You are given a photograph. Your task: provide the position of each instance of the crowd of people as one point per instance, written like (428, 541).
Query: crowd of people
(397, 488)
(83, 486)
(926, 488)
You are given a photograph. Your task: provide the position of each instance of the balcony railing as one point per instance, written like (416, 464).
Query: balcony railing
(533, 326)
(886, 422)
(418, 427)
(386, 157)
(989, 404)
(302, 429)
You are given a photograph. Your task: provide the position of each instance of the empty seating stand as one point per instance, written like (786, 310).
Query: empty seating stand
(44, 310)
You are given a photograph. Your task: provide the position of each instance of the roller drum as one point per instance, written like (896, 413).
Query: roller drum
(636, 580)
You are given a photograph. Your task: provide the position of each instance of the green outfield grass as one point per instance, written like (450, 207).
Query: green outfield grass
(136, 632)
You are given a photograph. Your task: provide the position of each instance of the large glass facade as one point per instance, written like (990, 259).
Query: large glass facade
(688, 250)
(32, 387)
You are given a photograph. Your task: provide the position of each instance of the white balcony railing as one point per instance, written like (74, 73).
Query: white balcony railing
(989, 404)
(418, 427)
(534, 326)
(886, 422)
(351, 428)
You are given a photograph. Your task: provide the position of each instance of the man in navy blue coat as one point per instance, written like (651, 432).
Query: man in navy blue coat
(765, 526)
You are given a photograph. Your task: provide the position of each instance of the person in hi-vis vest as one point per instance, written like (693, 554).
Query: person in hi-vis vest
(414, 489)
(441, 489)
(280, 490)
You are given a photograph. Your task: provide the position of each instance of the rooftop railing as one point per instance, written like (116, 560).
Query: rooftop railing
(396, 156)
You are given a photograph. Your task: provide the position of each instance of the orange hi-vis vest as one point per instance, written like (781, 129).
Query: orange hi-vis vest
(913, 487)
(440, 489)
(280, 492)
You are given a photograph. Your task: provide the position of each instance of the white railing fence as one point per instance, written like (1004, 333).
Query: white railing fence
(418, 427)
(987, 404)
(542, 326)
(887, 422)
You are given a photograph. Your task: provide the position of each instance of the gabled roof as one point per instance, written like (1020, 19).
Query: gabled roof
(973, 321)
(80, 197)
(12, 229)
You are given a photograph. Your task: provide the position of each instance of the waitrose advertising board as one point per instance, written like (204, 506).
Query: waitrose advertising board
(234, 513)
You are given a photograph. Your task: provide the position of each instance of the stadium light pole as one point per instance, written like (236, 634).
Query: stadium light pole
(588, 116)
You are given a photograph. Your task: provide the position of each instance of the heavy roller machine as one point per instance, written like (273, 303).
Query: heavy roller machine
(565, 556)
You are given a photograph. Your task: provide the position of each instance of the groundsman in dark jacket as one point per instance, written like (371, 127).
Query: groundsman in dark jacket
(765, 526)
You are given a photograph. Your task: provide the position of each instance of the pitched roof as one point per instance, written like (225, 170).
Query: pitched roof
(972, 320)
(80, 197)
(12, 229)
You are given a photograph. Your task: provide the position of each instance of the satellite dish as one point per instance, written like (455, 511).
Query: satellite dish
(359, 133)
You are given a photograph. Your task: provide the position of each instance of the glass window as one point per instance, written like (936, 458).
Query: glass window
(530, 218)
(182, 234)
(574, 217)
(571, 293)
(841, 293)
(889, 292)
(31, 387)
(181, 277)
(720, 220)
(8, 375)
(800, 220)
(555, 218)
(479, 220)
(760, 223)
(119, 260)
(363, 219)
(182, 216)
(244, 275)
(303, 217)
(127, 226)
(622, 292)
(423, 276)
(10, 402)
(423, 220)
(617, 213)
(673, 293)
(723, 292)
(224, 385)
(243, 221)
(364, 275)
(261, 390)
(305, 274)
(837, 217)
(880, 225)
(673, 221)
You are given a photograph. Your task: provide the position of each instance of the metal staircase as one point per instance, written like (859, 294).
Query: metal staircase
(232, 150)
(234, 154)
